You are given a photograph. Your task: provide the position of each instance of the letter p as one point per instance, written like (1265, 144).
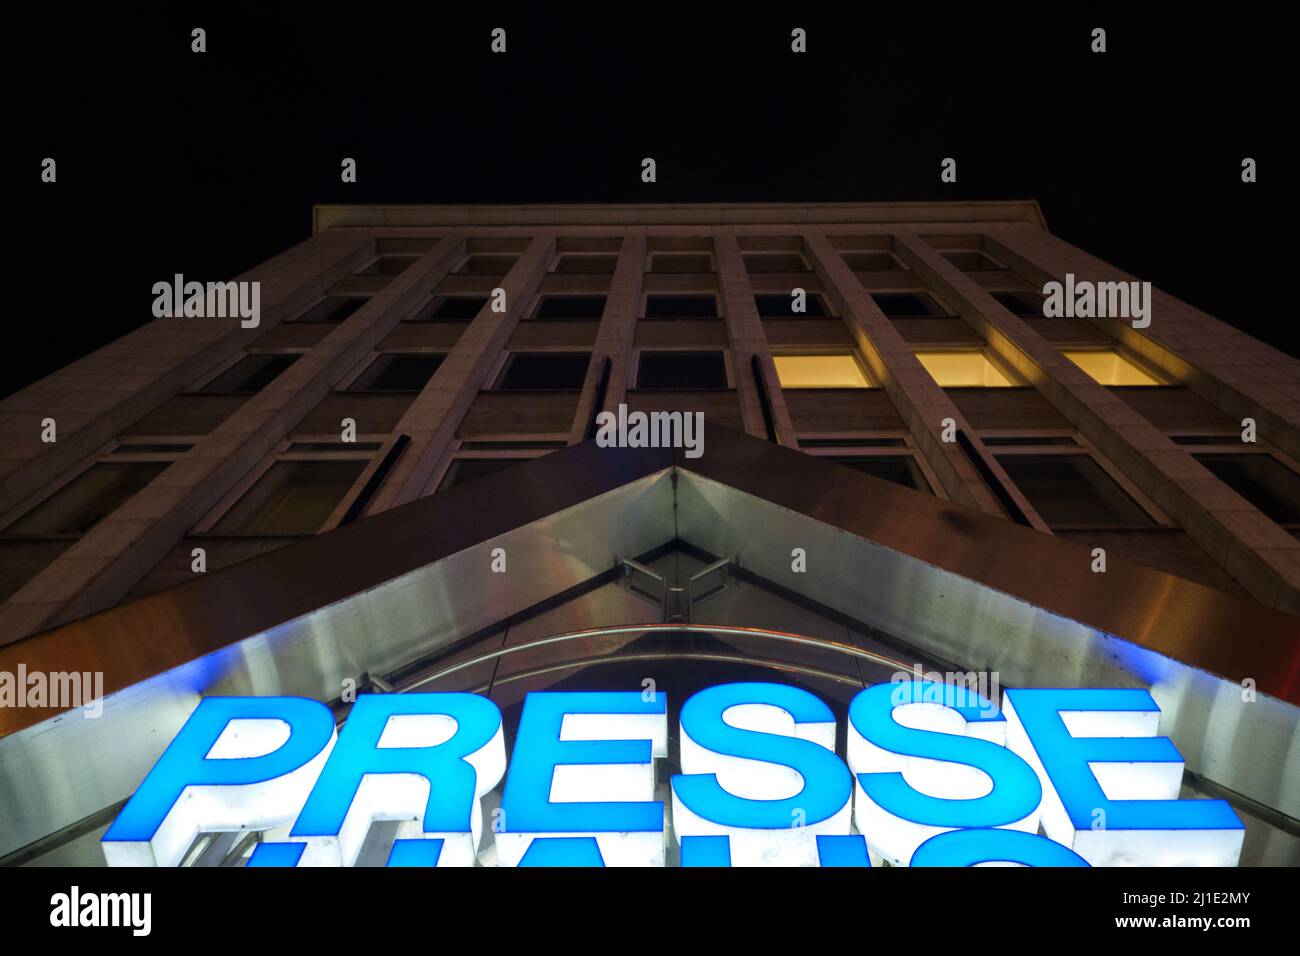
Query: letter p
(239, 763)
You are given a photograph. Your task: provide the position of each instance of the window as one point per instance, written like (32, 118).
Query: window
(467, 469)
(532, 371)
(95, 493)
(488, 264)
(972, 260)
(690, 370)
(250, 374)
(387, 266)
(907, 304)
(334, 447)
(1073, 491)
(1228, 438)
(900, 469)
(577, 264)
(847, 441)
(1024, 304)
(782, 306)
(995, 441)
(820, 371)
(871, 262)
(332, 308)
(452, 308)
(965, 370)
(570, 307)
(681, 307)
(1261, 479)
(293, 496)
(130, 447)
(760, 262)
(680, 263)
(1111, 367)
(394, 372)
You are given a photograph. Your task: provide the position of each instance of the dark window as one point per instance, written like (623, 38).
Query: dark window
(586, 265)
(775, 262)
(871, 261)
(1073, 491)
(681, 307)
(157, 448)
(900, 469)
(1206, 439)
(488, 264)
(81, 503)
(782, 306)
(490, 445)
(251, 373)
(571, 307)
(387, 266)
(467, 469)
(544, 370)
(906, 304)
(850, 442)
(682, 370)
(1262, 480)
(453, 308)
(335, 446)
(292, 497)
(681, 263)
(397, 373)
(970, 260)
(994, 440)
(1020, 303)
(334, 308)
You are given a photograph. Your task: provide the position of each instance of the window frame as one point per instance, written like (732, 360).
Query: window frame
(921, 294)
(501, 364)
(457, 452)
(814, 351)
(535, 306)
(1239, 447)
(348, 383)
(434, 302)
(746, 254)
(727, 368)
(1082, 446)
(372, 457)
(108, 453)
(908, 448)
(202, 382)
(644, 306)
(1127, 355)
(828, 308)
(553, 268)
(1015, 379)
(710, 254)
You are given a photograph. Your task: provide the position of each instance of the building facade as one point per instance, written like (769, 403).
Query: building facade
(1089, 477)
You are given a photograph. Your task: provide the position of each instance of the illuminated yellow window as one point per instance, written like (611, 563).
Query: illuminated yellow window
(820, 371)
(964, 370)
(1109, 367)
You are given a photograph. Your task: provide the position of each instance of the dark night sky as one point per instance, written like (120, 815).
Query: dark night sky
(207, 164)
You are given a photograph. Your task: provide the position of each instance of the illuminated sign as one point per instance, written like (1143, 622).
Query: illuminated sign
(936, 775)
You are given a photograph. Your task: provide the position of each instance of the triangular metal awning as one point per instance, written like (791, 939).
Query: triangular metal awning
(375, 595)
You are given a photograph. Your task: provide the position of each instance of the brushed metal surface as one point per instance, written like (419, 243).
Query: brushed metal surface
(62, 770)
(923, 570)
